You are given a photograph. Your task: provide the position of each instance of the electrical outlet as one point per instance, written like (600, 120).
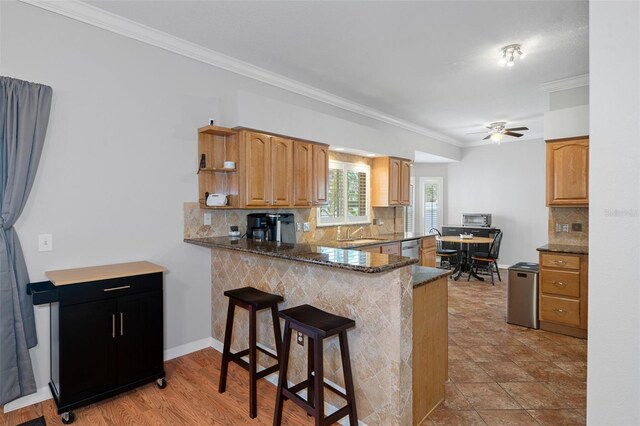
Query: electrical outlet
(306, 227)
(565, 227)
(300, 339)
(380, 222)
(207, 218)
(45, 242)
(576, 227)
(298, 227)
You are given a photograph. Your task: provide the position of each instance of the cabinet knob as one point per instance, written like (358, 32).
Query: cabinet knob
(559, 284)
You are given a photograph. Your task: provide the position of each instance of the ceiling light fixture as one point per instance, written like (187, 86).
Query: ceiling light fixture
(496, 131)
(496, 137)
(509, 54)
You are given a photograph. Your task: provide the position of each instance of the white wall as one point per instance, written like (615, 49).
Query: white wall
(508, 181)
(613, 379)
(120, 155)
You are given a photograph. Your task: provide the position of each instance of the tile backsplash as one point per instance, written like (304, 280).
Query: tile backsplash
(392, 219)
(569, 216)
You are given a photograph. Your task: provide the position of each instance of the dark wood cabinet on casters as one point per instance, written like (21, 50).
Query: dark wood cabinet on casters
(106, 334)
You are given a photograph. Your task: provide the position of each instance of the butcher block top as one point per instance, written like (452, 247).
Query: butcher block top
(103, 272)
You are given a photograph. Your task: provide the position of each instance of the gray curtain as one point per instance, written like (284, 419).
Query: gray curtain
(24, 114)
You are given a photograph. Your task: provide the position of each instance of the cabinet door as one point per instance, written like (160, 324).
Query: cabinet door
(87, 349)
(257, 169)
(281, 171)
(302, 173)
(394, 181)
(405, 182)
(568, 173)
(320, 174)
(140, 336)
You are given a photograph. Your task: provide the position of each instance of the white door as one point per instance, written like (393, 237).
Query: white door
(430, 202)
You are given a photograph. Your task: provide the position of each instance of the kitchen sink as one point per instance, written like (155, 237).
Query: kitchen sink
(363, 241)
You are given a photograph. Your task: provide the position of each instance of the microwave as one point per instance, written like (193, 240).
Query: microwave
(476, 219)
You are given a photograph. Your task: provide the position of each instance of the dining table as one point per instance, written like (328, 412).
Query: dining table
(464, 264)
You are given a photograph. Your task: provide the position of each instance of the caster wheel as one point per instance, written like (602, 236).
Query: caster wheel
(162, 383)
(68, 417)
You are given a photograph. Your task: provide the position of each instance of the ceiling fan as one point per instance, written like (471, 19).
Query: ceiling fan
(498, 129)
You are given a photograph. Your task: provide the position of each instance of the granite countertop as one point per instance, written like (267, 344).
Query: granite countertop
(375, 240)
(353, 260)
(564, 248)
(424, 275)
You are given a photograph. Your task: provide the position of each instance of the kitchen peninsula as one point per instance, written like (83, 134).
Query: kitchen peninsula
(398, 353)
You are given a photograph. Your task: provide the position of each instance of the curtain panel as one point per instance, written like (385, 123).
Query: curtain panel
(24, 115)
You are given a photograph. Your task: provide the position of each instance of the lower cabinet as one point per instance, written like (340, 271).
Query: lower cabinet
(428, 252)
(564, 293)
(106, 337)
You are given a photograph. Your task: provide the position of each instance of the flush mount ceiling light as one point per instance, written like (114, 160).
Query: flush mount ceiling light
(509, 53)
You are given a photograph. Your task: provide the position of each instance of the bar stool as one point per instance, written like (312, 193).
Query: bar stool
(316, 325)
(253, 300)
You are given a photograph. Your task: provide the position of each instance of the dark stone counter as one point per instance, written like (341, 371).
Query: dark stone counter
(424, 275)
(353, 260)
(564, 248)
(375, 240)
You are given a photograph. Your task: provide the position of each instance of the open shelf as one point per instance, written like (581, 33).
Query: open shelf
(215, 169)
(218, 131)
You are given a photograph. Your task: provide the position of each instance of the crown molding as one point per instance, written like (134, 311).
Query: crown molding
(566, 83)
(100, 18)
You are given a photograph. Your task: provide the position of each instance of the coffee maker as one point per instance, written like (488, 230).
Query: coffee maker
(277, 227)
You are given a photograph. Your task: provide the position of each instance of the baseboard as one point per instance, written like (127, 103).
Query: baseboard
(188, 348)
(42, 394)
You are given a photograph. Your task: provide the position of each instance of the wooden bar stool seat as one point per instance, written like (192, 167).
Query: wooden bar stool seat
(252, 300)
(317, 325)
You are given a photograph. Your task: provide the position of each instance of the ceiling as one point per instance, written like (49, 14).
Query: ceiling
(430, 63)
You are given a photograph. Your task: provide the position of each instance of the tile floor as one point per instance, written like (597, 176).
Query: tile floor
(502, 374)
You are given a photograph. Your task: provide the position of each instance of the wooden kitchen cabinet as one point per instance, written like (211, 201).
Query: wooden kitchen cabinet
(390, 184)
(428, 252)
(302, 173)
(320, 174)
(106, 331)
(215, 146)
(568, 172)
(267, 170)
(563, 299)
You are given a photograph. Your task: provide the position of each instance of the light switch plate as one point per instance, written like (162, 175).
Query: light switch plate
(298, 227)
(45, 242)
(207, 218)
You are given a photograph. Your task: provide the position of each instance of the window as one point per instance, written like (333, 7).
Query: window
(431, 203)
(348, 195)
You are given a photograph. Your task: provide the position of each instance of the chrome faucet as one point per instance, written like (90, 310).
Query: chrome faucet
(350, 234)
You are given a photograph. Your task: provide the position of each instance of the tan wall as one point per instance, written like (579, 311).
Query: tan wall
(569, 215)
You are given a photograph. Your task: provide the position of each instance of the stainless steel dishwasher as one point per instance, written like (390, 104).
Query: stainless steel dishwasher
(522, 295)
(411, 249)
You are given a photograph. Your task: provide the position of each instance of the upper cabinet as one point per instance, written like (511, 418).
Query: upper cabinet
(320, 185)
(568, 172)
(390, 184)
(269, 171)
(217, 145)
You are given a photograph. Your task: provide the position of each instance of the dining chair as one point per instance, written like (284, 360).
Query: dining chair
(489, 259)
(445, 254)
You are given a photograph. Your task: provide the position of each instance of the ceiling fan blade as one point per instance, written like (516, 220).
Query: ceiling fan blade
(486, 137)
(517, 135)
(476, 133)
(517, 128)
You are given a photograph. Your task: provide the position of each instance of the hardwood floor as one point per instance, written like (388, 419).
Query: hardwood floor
(190, 398)
(499, 374)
